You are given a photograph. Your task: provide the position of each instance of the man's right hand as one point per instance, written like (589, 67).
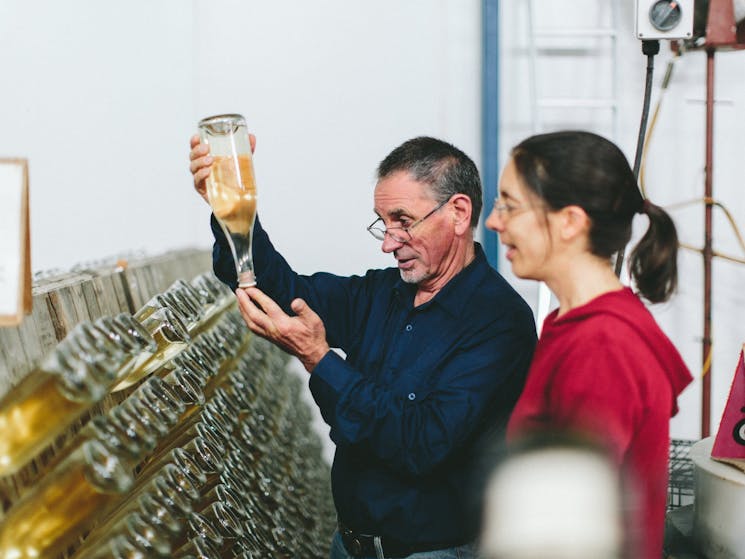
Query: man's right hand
(200, 163)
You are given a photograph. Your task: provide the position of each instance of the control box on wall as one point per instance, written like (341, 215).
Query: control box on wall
(664, 19)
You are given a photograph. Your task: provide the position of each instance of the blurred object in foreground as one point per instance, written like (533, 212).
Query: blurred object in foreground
(553, 498)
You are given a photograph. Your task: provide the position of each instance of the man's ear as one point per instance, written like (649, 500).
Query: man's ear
(462, 210)
(574, 222)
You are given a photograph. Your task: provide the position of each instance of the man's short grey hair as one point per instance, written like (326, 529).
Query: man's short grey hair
(442, 166)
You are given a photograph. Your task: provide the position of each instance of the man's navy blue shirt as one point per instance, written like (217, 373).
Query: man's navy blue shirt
(421, 392)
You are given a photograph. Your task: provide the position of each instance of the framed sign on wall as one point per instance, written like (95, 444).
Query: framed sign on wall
(15, 250)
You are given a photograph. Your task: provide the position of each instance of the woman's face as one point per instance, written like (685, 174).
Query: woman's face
(523, 226)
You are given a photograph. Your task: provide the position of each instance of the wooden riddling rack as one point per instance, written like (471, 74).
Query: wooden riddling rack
(63, 300)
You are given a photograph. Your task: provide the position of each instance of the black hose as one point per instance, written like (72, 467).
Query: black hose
(650, 48)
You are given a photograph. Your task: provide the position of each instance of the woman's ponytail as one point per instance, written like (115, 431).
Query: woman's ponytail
(654, 261)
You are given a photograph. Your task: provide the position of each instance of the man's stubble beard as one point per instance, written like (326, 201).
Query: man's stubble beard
(413, 277)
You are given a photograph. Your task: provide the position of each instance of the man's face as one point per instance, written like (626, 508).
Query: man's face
(401, 201)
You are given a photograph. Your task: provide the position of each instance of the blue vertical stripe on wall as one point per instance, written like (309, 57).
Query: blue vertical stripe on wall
(490, 120)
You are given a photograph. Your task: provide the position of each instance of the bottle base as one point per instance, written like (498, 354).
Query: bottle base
(246, 279)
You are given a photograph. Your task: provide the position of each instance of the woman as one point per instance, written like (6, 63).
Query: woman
(602, 365)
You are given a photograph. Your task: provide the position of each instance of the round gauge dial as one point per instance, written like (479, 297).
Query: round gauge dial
(665, 14)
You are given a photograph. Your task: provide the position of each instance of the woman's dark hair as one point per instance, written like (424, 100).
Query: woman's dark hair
(575, 168)
(445, 168)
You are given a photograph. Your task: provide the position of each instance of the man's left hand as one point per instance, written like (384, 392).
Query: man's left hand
(303, 335)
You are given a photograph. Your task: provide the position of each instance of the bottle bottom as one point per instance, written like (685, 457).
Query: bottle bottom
(246, 279)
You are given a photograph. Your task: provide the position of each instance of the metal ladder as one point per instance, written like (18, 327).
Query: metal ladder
(539, 104)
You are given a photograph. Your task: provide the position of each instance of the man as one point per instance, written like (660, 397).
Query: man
(436, 354)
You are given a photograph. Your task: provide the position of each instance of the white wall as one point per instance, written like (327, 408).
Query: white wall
(98, 96)
(329, 88)
(102, 97)
(675, 161)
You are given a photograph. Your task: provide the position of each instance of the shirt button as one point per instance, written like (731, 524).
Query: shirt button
(412, 396)
(409, 327)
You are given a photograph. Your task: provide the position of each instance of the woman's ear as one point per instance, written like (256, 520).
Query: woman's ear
(574, 222)
(462, 209)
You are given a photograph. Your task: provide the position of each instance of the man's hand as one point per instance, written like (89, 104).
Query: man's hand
(304, 335)
(200, 163)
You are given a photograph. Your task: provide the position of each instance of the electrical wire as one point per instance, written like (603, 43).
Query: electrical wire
(653, 121)
(650, 48)
(727, 257)
(639, 171)
(642, 179)
(730, 220)
(707, 362)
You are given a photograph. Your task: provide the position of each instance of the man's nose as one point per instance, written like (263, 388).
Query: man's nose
(390, 244)
(494, 222)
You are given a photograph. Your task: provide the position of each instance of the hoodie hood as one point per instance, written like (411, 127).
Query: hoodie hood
(625, 306)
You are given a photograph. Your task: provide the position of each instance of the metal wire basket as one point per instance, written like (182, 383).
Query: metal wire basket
(680, 489)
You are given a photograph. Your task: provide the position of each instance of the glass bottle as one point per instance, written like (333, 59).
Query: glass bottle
(130, 336)
(259, 527)
(228, 364)
(243, 391)
(218, 296)
(159, 514)
(129, 441)
(246, 380)
(197, 362)
(197, 548)
(188, 306)
(50, 399)
(231, 187)
(206, 465)
(226, 495)
(155, 424)
(210, 342)
(158, 301)
(187, 389)
(161, 399)
(189, 295)
(207, 424)
(92, 344)
(178, 501)
(135, 528)
(170, 334)
(203, 361)
(183, 460)
(197, 526)
(169, 484)
(225, 522)
(236, 483)
(249, 547)
(208, 452)
(163, 500)
(116, 547)
(205, 355)
(171, 338)
(246, 441)
(64, 503)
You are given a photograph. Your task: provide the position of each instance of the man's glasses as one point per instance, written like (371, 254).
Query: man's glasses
(399, 234)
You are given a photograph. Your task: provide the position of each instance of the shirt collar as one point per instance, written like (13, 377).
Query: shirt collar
(450, 297)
